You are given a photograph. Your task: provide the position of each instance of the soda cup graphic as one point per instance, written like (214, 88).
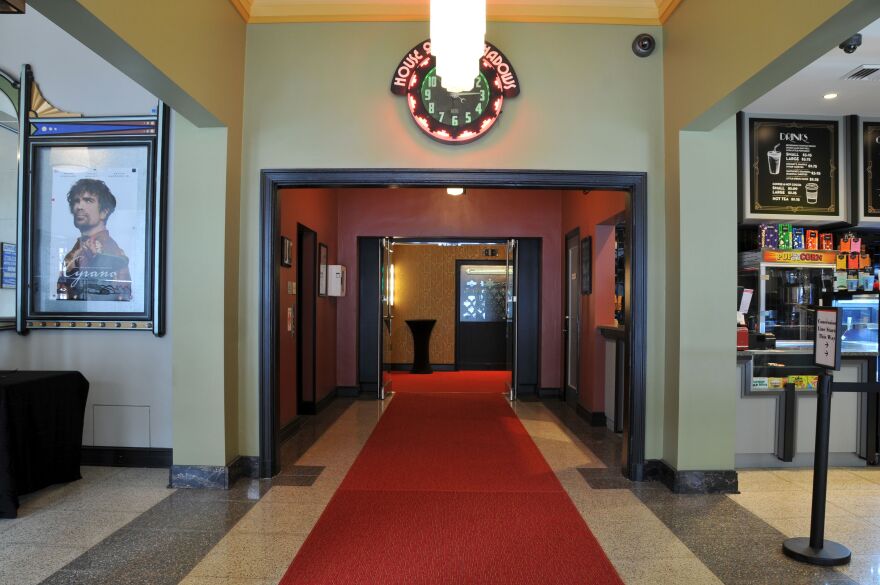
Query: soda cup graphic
(774, 160)
(812, 193)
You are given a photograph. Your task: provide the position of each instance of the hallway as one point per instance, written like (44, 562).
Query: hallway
(123, 526)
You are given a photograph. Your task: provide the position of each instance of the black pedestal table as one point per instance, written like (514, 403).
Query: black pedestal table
(421, 334)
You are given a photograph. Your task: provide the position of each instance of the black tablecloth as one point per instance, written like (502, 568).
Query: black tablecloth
(421, 333)
(41, 425)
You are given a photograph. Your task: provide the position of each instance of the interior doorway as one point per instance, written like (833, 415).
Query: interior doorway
(369, 316)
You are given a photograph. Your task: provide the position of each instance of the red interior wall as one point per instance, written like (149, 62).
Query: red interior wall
(431, 212)
(317, 210)
(585, 212)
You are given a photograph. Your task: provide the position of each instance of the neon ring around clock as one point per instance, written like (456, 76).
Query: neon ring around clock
(454, 118)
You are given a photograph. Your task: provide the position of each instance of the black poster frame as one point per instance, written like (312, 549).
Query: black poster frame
(863, 181)
(151, 131)
(751, 211)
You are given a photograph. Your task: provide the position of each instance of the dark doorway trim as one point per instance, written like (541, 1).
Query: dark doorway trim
(574, 234)
(636, 184)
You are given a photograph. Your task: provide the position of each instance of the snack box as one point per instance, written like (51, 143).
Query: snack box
(811, 239)
(855, 245)
(864, 261)
(768, 236)
(784, 239)
(840, 280)
(845, 244)
(776, 383)
(852, 261)
(804, 382)
(760, 383)
(797, 238)
(826, 242)
(841, 261)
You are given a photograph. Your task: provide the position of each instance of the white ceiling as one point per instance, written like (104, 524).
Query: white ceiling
(802, 93)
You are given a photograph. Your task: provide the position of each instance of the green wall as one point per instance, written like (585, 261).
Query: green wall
(317, 95)
(197, 219)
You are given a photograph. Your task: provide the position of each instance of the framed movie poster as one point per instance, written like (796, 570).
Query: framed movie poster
(92, 230)
(792, 168)
(322, 270)
(587, 265)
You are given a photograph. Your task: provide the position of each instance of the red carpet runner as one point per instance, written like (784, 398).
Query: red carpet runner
(450, 489)
(469, 381)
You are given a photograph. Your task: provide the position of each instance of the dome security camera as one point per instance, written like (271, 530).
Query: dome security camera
(851, 44)
(643, 45)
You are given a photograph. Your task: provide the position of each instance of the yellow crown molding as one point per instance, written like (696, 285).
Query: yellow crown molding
(631, 12)
(243, 7)
(665, 8)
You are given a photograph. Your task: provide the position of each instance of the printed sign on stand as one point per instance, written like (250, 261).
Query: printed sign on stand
(826, 353)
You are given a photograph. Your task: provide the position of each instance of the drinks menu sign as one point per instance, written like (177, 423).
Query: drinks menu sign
(794, 166)
(871, 168)
(791, 168)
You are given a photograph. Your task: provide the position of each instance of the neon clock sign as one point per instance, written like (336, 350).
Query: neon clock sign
(454, 118)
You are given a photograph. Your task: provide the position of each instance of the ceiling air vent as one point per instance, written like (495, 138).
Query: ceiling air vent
(863, 73)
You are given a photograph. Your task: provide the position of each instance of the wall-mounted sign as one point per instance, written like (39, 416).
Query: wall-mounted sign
(865, 174)
(454, 118)
(800, 256)
(790, 169)
(826, 353)
(8, 263)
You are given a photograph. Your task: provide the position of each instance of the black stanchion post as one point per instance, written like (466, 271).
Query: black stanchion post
(815, 550)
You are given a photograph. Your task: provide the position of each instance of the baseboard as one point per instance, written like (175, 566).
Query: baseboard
(213, 476)
(722, 481)
(290, 429)
(549, 392)
(316, 407)
(348, 391)
(125, 456)
(408, 367)
(244, 466)
(594, 419)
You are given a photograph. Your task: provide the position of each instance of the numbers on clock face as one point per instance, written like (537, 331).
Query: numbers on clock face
(454, 109)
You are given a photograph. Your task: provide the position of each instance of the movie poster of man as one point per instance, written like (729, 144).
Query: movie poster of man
(91, 237)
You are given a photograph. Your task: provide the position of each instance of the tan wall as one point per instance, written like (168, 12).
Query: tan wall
(425, 281)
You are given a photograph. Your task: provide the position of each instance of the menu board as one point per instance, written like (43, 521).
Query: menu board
(871, 168)
(794, 166)
(7, 265)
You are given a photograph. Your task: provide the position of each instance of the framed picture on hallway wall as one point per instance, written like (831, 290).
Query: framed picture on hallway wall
(322, 270)
(587, 265)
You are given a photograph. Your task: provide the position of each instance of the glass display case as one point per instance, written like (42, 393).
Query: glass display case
(859, 315)
(786, 295)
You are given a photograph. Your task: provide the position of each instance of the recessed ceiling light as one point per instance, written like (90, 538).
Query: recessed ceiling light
(830, 96)
(455, 191)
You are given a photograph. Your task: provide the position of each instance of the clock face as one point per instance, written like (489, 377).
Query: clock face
(454, 118)
(454, 109)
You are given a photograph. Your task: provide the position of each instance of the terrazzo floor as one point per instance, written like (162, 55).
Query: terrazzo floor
(122, 525)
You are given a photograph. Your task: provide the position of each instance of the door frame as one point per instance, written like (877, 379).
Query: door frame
(457, 316)
(566, 287)
(635, 184)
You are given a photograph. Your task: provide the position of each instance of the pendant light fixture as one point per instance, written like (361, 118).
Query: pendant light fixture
(458, 38)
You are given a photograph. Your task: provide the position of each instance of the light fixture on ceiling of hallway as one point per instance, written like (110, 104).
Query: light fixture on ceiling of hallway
(458, 40)
(455, 191)
(830, 96)
(11, 6)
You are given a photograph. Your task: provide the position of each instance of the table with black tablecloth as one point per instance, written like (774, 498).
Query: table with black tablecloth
(41, 425)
